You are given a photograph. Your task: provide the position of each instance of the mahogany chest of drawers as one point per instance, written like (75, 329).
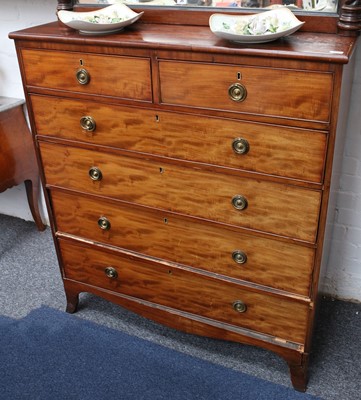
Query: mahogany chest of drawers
(190, 182)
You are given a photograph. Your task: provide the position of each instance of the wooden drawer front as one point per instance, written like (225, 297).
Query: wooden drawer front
(186, 291)
(272, 207)
(158, 234)
(124, 77)
(275, 150)
(274, 92)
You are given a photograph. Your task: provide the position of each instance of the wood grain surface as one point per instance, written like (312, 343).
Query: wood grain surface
(275, 92)
(124, 77)
(276, 208)
(186, 136)
(270, 262)
(205, 297)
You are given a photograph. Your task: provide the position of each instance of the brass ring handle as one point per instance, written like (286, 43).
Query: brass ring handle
(88, 123)
(111, 272)
(240, 146)
(237, 92)
(82, 76)
(104, 223)
(239, 257)
(95, 174)
(239, 202)
(239, 306)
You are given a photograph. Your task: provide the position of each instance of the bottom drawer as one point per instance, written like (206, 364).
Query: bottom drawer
(186, 291)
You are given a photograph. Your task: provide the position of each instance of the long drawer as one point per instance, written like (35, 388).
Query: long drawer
(232, 253)
(304, 95)
(240, 201)
(236, 144)
(123, 77)
(170, 287)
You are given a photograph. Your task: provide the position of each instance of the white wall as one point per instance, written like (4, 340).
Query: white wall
(14, 15)
(343, 273)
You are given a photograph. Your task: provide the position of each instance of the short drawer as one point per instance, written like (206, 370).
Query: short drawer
(186, 291)
(252, 203)
(275, 150)
(304, 95)
(232, 253)
(123, 77)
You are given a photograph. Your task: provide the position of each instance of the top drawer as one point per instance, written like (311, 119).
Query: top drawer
(274, 92)
(123, 77)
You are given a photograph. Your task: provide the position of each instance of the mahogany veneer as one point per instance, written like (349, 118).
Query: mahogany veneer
(172, 199)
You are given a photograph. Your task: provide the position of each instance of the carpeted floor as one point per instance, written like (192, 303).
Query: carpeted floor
(50, 354)
(29, 279)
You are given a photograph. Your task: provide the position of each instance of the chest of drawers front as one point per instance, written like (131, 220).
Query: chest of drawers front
(189, 192)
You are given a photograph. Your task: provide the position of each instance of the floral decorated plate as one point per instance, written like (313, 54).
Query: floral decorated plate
(106, 20)
(256, 28)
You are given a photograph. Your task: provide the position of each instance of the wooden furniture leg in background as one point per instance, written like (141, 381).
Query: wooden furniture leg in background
(17, 157)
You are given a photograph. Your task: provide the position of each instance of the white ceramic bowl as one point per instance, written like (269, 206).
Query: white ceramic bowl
(106, 20)
(256, 28)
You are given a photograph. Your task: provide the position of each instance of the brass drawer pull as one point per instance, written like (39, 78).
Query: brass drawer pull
(239, 306)
(95, 174)
(240, 146)
(237, 92)
(104, 223)
(82, 76)
(88, 123)
(239, 257)
(239, 202)
(111, 272)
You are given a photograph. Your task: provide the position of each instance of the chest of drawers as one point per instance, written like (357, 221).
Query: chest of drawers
(190, 184)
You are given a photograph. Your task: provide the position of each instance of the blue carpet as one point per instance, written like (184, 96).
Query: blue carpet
(53, 355)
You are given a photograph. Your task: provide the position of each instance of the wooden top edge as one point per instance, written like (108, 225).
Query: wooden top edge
(308, 46)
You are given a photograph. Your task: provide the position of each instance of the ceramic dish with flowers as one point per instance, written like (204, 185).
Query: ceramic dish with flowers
(256, 28)
(106, 20)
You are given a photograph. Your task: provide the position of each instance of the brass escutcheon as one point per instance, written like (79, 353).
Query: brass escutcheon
(88, 123)
(104, 223)
(239, 306)
(237, 92)
(95, 174)
(239, 202)
(240, 146)
(82, 76)
(239, 257)
(111, 272)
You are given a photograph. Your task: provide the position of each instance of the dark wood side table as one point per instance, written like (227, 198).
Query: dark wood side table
(17, 157)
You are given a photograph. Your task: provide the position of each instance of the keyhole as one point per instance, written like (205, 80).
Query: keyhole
(165, 220)
(161, 170)
(157, 118)
(81, 62)
(239, 76)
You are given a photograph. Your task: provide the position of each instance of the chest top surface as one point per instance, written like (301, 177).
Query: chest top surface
(300, 45)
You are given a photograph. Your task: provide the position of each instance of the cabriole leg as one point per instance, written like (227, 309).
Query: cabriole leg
(32, 192)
